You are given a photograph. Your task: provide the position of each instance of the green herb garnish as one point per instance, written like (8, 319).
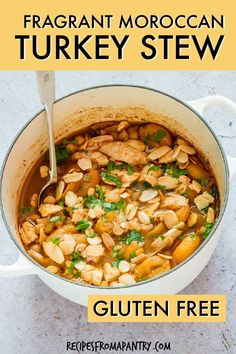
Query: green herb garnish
(154, 168)
(82, 224)
(204, 182)
(114, 206)
(152, 219)
(25, 210)
(56, 241)
(132, 236)
(132, 255)
(92, 235)
(159, 135)
(175, 171)
(119, 257)
(92, 202)
(56, 218)
(156, 137)
(111, 178)
(61, 203)
(61, 153)
(75, 258)
(86, 178)
(208, 226)
(77, 275)
(100, 193)
(193, 237)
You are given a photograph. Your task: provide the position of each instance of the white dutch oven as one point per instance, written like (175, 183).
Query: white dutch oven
(114, 103)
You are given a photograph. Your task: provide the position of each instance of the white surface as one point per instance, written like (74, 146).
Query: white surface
(33, 319)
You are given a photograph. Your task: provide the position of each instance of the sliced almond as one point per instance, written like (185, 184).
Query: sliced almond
(210, 216)
(139, 258)
(130, 211)
(127, 279)
(108, 241)
(85, 164)
(60, 189)
(143, 217)
(148, 195)
(176, 152)
(70, 199)
(209, 197)
(80, 265)
(94, 240)
(54, 252)
(192, 220)
(187, 149)
(73, 177)
(124, 266)
(196, 186)
(53, 269)
(165, 256)
(201, 202)
(182, 157)
(168, 182)
(167, 158)
(158, 152)
(136, 144)
(99, 158)
(170, 219)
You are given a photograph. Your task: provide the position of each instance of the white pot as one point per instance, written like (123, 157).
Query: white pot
(78, 110)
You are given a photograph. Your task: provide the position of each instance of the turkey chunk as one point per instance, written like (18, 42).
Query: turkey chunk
(123, 152)
(28, 233)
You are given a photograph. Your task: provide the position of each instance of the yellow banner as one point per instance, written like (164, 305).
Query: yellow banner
(157, 308)
(121, 35)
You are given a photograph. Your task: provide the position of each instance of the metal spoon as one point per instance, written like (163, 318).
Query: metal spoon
(46, 86)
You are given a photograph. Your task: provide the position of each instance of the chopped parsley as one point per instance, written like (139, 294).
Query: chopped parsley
(214, 193)
(154, 168)
(92, 235)
(204, 182)
(152, 219)
(56, 218)
(100, 194)
(159, 135)
(115, 251)
(25, 210)
(56, 241)
(86, 178)
(175, 171)
(111, 178)
(92, 202)
(155, 235)
(132, 255)
(133, 236)
(82, 224)
(61, 203)
(193, 237)
(119, 257)
(75, 258)
(114, 206)
(156, 137)
(61, 153)
(208, 226)
(112, 166)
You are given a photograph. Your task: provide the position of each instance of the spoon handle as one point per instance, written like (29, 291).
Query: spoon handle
(46, 86)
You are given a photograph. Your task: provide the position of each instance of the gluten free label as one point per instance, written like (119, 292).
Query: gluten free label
(157, 308)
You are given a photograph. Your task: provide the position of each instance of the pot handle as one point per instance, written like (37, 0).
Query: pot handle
(20, 267)
(201, 104)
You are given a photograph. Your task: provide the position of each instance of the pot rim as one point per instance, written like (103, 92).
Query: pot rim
(165, 274)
